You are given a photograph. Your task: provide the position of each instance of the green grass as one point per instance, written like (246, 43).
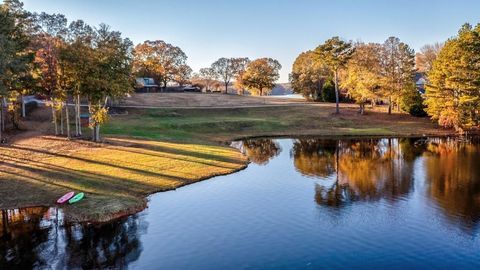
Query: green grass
(214, 125)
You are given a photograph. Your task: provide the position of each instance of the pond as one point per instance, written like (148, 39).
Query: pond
(302, 203)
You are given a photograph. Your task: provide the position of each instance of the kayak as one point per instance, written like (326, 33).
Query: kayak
(65, 197)
(77, 198)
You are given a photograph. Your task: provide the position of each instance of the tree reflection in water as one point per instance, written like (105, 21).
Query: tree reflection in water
(36, 238)
(357, 169)
(374, 169)
(261, 151)
(345, 172)
(314, 157)
(452, 169)
(20, 234)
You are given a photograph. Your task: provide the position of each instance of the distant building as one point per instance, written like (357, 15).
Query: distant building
(190, 88)
(146, 85)
(420, 81)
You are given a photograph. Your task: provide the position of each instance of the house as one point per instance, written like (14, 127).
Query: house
(146, 85)
(420, 81)
(190, 88)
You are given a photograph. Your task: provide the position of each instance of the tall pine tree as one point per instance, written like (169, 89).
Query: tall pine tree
(453, 92)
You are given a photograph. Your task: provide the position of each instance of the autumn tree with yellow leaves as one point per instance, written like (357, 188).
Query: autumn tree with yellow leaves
(363, 79)
(453, 91)
(260, 76)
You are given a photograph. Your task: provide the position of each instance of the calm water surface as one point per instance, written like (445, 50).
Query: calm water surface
(302, 203)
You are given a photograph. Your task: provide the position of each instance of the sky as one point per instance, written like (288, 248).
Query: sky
(281, 29)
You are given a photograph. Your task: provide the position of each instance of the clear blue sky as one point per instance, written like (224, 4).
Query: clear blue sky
(207, 30)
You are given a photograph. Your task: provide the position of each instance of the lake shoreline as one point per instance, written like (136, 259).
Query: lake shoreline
(178, 147)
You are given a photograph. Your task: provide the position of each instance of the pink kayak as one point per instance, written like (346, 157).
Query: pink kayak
(66, 197)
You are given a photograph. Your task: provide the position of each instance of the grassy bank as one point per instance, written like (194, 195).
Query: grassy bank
(151, 150)
(217, 125)
(116, 176)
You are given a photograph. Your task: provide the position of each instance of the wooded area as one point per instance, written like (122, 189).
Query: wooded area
(70, 63)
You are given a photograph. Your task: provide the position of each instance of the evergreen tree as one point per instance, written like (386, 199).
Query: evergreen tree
(335, 53)
(398, 70)
(15, 57)
(453, 92)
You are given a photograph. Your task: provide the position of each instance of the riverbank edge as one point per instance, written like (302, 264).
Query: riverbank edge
(114, 216)
(135, 210)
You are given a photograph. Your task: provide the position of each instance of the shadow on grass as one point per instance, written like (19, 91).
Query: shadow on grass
(176, 151)
(108, 182)
(135, 170)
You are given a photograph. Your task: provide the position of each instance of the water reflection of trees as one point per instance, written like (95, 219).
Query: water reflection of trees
(369, 170)
(16, 246)
(33, 238)
(260, 151)
(360, 169)
(453, 173)
(314, 157)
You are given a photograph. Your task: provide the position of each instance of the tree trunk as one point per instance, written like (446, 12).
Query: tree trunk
(75, 116)
(226, 88)
(390, 105)
(54, 116)
(337, 97)
(90, 119)
(398, 104)
(79, 110)
(1, 120)
(164, 86)
(97, 133)
(61, 118)
(68, 119)
(3, 101)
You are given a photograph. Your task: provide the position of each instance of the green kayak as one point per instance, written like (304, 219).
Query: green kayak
(76, 198)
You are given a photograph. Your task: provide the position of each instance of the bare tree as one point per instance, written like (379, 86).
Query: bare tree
(209, 76)
(428, 53)
(225, 70)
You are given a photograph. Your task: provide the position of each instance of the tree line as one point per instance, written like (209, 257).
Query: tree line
(164, 63)
(65, 62)
(372, 73)
(366, 72)
(258, 77)
(72, 65)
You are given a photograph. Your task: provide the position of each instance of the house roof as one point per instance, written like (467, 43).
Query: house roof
(146, 82)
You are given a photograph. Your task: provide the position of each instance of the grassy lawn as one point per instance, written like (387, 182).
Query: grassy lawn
(151, 150)
(116, 176)
(217, 125)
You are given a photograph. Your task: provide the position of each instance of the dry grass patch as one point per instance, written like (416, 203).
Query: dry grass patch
(116, 176)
